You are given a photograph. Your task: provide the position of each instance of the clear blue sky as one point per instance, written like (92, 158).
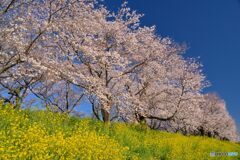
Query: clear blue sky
(211, 28)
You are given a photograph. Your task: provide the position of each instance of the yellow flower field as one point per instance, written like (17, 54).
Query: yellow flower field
(43, 135)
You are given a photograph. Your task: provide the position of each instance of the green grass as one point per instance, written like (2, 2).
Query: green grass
(44, 135)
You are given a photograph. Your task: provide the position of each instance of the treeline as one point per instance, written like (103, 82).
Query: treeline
(61, 52)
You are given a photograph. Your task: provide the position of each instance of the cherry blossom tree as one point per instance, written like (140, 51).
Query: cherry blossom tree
(61, 51)
(24, 29)
(216, 121)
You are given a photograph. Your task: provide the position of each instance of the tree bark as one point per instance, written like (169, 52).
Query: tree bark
(105, 116)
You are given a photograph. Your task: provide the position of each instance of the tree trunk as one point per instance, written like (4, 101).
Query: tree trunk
(142, 120)
(105, 116)
(18, 99)
(18, 103)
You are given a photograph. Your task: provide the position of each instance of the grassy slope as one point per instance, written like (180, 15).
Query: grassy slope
(44, 135)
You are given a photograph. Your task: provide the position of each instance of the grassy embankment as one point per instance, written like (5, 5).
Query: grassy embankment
(43, 135)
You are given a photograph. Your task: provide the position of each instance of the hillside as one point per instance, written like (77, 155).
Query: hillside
(26, 134)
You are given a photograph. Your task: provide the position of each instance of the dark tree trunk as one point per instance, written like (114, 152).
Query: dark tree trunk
(142, 120)
(201, 130)
(105, 116)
